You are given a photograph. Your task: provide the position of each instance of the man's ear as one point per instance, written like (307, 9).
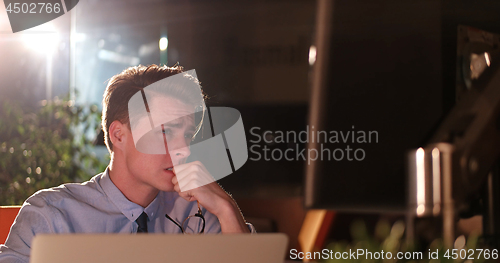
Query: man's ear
(118, 134)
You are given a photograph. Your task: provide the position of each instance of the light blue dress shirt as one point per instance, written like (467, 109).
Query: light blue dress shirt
(95, 206)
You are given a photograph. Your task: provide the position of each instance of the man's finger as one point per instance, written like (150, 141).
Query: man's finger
(174, 180)
(177, 188)
(187, 196)
(193, 180)
(181, 167)
(193, 166)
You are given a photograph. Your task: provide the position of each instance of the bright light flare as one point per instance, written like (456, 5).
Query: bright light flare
(312, 55)
(420, 181)
(487, 58)
(436, 180)
(163, 43)
(43, 38)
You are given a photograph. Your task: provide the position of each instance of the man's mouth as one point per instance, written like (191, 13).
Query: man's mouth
(169, 169)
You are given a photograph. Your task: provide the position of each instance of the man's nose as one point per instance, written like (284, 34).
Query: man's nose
(179, 150)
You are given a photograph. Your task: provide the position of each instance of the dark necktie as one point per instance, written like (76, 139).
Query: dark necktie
(142, 221)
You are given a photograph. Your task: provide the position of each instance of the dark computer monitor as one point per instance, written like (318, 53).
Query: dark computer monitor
(386, 72)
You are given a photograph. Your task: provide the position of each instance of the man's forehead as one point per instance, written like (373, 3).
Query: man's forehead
(155, 105)
(165, 109)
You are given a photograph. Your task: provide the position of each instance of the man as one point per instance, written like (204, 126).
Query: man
(141, 190)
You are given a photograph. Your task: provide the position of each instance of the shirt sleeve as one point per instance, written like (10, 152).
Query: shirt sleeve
(212, 225)
(33, 218)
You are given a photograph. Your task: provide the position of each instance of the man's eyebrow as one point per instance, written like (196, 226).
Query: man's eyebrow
(173, 124)
(179, 124)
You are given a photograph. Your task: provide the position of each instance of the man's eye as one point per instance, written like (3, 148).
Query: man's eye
(166, 131)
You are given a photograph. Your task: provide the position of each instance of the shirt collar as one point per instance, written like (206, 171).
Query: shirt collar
(129, 209)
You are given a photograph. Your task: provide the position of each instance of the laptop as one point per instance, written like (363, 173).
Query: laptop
(156, 248)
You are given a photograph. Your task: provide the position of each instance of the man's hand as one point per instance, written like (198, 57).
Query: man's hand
(194, 183)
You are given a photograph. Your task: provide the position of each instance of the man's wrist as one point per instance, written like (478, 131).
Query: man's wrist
(231, 219)
(228, 209)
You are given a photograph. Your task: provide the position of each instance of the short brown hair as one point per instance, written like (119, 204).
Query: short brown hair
(123, 86)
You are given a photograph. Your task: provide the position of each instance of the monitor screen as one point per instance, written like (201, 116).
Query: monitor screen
(383, 78)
